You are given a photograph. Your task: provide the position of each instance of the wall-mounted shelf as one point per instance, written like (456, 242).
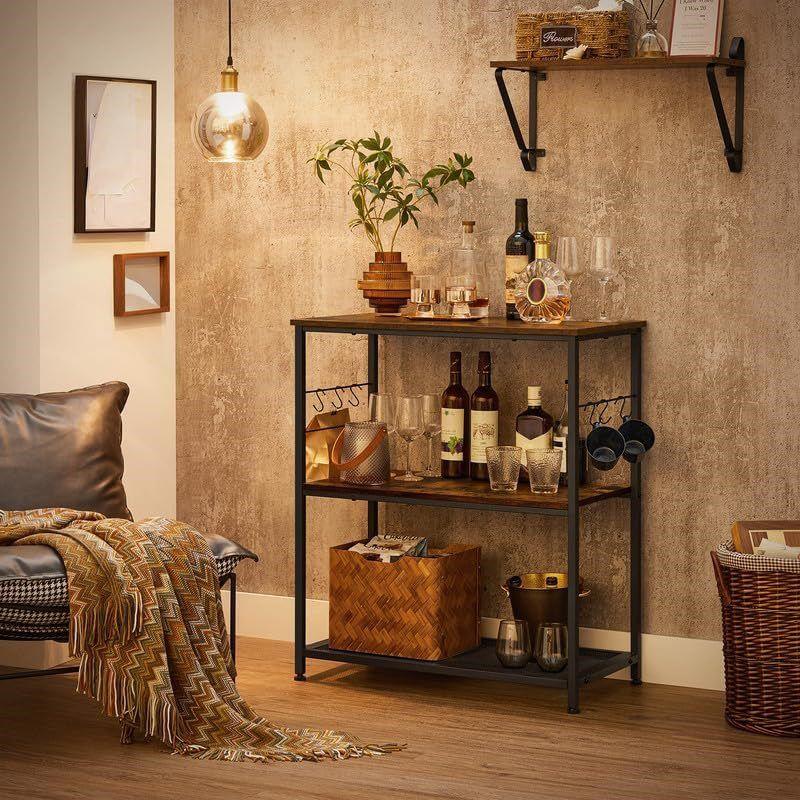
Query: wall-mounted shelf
(537, 71)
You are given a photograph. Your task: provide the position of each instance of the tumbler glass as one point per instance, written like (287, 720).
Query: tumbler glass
(544, 470)
(551, 646)
(513, 647)
(503, 464)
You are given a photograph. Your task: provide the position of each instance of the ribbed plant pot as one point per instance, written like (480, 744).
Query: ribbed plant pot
(387, 283)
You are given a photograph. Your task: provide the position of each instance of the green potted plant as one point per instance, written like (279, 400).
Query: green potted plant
(386, 198)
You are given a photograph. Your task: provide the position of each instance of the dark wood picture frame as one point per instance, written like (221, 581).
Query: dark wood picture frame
(120, 263)
(81, 166)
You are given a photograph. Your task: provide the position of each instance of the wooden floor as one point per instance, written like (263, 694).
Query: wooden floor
(466, 739)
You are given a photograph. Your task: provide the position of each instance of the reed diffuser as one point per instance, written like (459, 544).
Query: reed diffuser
(651, 44)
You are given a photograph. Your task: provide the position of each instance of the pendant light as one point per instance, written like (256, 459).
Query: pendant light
(230, 126)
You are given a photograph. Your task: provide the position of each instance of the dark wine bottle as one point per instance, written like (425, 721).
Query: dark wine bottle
(455, 424)
(534, 425)
(561, 436)
(519, 253)
(484, 419)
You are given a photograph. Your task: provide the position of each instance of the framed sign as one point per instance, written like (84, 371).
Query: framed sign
(115, 155)
(565, 36)
(141, 284)
(696, 28)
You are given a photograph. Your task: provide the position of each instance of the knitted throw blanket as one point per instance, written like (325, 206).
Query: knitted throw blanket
(146, 621)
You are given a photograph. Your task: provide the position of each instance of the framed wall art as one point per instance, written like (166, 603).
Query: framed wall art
(115, 155)
(141, 284)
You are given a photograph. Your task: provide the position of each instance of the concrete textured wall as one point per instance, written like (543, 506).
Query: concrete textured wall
(708, 258)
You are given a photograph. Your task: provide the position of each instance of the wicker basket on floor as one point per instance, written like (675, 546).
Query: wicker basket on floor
(421, 608)
(761, 641)
(605, 33)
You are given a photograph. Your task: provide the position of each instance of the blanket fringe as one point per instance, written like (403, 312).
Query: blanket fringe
(274, 754)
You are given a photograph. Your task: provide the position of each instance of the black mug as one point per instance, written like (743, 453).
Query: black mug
(605, 445)
(639, 438)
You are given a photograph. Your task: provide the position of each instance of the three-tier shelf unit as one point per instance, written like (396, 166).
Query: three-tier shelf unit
(481, 663)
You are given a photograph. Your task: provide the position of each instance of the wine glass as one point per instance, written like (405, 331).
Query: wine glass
(603, 268)
(432, 419)
(567, 261)
(381, 409)
(410, 425)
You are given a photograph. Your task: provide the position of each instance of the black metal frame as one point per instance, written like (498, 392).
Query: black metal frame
(40, 673)
(575, 675)
(734, 147)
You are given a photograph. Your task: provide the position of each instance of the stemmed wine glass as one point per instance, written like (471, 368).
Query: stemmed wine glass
(603, 268)
(567, 261)
(432, 418)
(410, 426)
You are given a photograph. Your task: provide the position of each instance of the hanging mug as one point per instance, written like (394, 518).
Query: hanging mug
(604, 444)
(361, 453)
(639, 438)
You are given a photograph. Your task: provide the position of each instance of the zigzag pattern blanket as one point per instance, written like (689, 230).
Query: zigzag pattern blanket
(146, 621)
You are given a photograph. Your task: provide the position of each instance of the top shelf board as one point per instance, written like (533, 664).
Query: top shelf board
(490, 328)
(675, 62)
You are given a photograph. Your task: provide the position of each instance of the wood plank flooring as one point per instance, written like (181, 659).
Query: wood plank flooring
(467, 739)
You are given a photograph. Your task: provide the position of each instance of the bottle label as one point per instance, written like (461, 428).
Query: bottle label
(560, 443)
(541, 289)
(452, 434)
(514, 265)
(543, 442)
(484, 426)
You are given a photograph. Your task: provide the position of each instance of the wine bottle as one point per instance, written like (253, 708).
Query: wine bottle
(519, 253)
(484, 419)
(455, 424)
(560, 439)
(534, 425)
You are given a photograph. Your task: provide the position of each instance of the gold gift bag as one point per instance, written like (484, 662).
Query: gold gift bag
(321, 433)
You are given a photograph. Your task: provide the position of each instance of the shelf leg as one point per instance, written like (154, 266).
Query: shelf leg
(573, 536)
(734, 147)
(636, 518)
(372, 379)
(299, 503)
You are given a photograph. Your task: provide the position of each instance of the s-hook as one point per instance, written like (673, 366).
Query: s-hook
(339, 398)
(354, 397)
(321, 403)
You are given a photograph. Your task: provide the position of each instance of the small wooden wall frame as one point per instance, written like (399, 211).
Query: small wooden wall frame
(135, 303)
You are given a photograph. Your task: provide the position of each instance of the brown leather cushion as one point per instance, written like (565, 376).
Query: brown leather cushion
(64, 450)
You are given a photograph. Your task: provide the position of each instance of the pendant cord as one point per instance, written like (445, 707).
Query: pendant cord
(230, 47)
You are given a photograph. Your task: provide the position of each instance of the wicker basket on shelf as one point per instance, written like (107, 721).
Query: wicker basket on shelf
(421, 608)
(761, 641)
(605, 33)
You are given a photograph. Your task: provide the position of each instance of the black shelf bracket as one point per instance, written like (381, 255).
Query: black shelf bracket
(529, 152)
(734, 147)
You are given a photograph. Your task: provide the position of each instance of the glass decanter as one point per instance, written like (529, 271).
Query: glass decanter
(542, 293)
(468, 259)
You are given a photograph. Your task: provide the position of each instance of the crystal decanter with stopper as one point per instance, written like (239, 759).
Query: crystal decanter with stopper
(542, 293)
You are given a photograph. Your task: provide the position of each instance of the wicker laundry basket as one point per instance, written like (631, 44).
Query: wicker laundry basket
(761, 640)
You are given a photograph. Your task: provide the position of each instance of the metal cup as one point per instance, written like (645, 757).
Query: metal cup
(639, 438)
(605, 445)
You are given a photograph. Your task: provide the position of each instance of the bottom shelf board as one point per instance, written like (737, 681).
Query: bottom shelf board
(482, 663)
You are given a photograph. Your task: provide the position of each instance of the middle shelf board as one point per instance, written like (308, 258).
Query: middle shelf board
(464, 494)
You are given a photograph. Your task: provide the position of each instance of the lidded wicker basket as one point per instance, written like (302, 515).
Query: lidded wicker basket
(761, 640)
(605, 33)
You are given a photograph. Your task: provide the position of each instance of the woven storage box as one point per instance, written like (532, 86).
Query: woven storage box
(761, 641)
(605, 33)
(422, 608)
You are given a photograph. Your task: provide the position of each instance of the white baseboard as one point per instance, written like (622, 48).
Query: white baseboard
(671, 660)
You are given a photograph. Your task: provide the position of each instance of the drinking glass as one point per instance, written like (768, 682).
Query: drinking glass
(381, 409)
(503, 464)
(432, 418)
(603, 268)
(410, 426)
(425, 294)
(551, 646)
(513, 646)
(567, 261)
(544, 470)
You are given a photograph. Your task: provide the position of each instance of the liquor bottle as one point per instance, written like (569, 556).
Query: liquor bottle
(469, 261)
(560, 439)
(534, 425)
(484, 419)
(519, 253)
(455, 424)
(542, 292)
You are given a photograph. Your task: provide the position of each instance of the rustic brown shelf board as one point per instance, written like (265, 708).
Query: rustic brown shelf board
(495, 327)
(463, 493)
(589, 64)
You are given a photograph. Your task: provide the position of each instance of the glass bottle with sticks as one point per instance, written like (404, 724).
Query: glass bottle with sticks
(651, 44)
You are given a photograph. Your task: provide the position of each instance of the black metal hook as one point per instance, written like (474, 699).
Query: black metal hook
(321, 403)
(605, 407)
(339, 398)
(622, 401)
(354, 397)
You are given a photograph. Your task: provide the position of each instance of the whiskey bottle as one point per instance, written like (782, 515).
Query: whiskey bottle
(560, 439)
(534, 425)
(542, 291)
(484, 419)
(519, 253)
(455, 424)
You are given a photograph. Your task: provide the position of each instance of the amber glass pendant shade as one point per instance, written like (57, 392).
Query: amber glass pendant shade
(230, 126)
